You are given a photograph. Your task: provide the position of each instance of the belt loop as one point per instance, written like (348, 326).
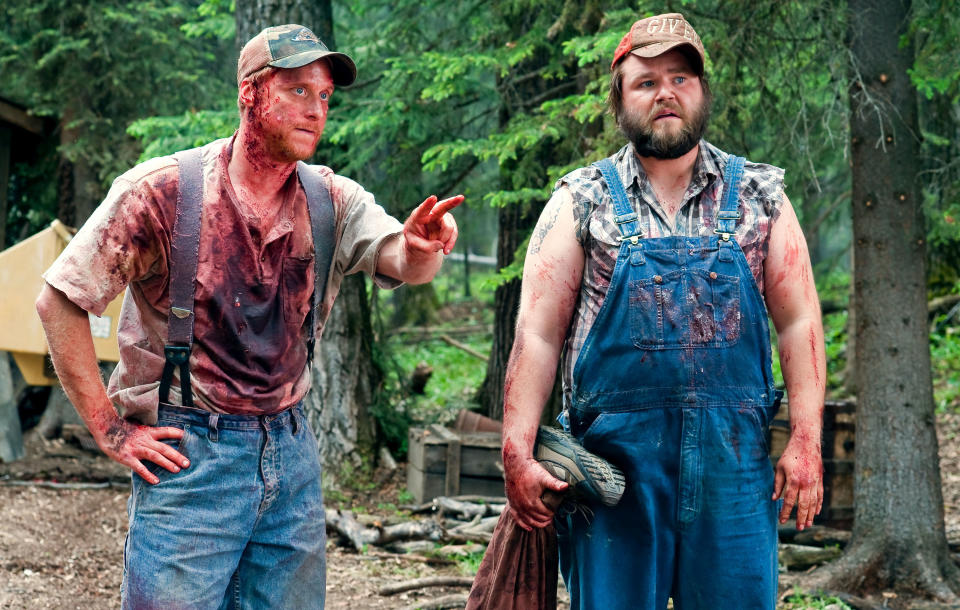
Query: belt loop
(212, 422)
(726, 251)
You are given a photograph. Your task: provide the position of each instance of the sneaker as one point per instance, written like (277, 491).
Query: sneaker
(588, 475)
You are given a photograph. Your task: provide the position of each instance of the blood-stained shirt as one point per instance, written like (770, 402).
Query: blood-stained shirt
(253, 290)
(761, 196)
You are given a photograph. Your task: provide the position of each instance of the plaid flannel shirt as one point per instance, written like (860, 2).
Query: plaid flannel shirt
(761, 195)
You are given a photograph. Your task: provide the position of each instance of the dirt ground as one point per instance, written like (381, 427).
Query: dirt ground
(62, 548)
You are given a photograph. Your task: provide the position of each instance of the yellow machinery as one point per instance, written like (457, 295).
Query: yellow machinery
(21, 334)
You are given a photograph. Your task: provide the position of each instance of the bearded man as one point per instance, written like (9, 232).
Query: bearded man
(232, 255)
(649, 278)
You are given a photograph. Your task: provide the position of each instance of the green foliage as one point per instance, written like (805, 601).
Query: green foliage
(494, 99)
(94, 67)
(469, 563)
(32, 195)
(945, 356)
(835, 339)
(936, 75)
(165, 135)
(456, 374)
(799, 600)
(214, 19)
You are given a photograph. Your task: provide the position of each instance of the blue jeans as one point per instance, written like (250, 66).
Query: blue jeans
(242, 527)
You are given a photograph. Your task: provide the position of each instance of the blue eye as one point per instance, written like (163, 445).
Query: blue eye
(300, 90)
(324, 96)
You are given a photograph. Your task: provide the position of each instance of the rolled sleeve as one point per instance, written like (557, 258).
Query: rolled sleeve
(121, 242)
(365, 229)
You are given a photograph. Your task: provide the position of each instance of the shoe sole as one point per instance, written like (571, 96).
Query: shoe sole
(591, 476)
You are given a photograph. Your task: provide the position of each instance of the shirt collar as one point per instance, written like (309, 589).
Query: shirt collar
(707, 168)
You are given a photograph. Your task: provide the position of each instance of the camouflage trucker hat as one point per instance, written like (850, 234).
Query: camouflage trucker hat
(656, 35)
(292, 46)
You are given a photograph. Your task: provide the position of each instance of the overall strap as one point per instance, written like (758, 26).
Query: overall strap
(625, 217)
(184, 252)
(729, 212)
(322, 225)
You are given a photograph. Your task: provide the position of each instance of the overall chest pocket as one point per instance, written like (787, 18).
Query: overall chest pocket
(685, 308)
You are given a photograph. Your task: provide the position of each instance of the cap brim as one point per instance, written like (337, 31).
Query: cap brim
(659, 48)
(343, 70)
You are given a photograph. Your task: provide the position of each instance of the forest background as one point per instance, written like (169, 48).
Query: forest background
(497, 100)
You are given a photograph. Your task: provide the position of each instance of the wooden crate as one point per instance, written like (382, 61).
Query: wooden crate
(839, 428)
(442, 462)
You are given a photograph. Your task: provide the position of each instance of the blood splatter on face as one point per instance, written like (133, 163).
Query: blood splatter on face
(287, 115)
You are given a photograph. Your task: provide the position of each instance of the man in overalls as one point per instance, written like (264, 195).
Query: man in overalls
(649, 277)
(232, 255)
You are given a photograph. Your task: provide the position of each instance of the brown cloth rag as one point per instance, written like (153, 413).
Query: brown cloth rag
(519, 569)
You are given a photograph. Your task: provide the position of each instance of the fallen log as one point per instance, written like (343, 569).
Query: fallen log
(799, 557)
(411, 546)
(446, 506)
(821, 535)
(451, 341)
(345, 524)
(426, 529)
(58, 485)
(477, 526)
(480, 537)
(423, 583)
(481, 499)
(432, 505)
(441, 603)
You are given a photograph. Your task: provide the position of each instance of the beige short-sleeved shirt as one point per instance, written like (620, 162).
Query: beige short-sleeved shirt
(253, 291)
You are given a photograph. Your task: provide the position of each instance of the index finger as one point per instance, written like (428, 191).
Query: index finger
(445, 206)
(424, 210)
(166, 432)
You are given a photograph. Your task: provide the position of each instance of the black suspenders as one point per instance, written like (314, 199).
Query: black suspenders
(185, 246)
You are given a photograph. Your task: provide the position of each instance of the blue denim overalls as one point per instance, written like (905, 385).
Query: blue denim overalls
(673, 384)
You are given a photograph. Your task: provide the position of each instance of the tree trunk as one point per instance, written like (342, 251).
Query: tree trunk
(11, 441)
(5, 138)
(344, 381)
(252, 16)
(344, 374)
(506, 301)
(516, 221)
(898, 535)
(78, 190)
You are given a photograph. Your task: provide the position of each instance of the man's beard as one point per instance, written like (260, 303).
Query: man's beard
(665, 144)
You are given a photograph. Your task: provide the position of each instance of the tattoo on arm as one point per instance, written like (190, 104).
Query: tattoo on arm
(543, 227)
